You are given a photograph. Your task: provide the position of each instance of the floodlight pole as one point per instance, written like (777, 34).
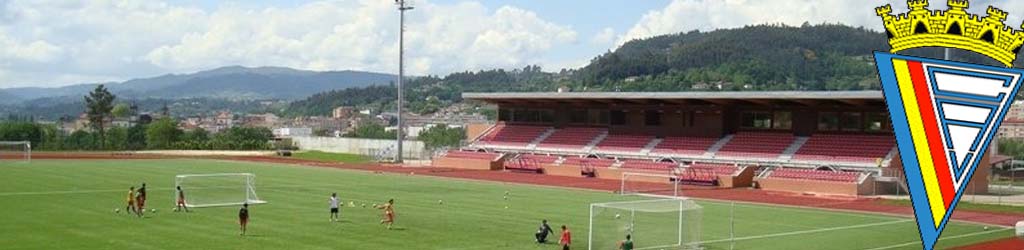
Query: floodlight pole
(401, 74)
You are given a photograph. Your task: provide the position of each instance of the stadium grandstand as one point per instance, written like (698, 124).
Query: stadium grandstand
(835, 142)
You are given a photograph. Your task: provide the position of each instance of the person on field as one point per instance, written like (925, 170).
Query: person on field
(626, 244)
(543, 232)
(389, 213)
(334, 202)
(243, 217)
(130, 208)
(140, 199)
(566, 238)
(180, 205)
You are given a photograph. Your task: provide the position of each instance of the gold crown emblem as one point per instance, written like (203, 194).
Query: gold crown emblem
(952, 28)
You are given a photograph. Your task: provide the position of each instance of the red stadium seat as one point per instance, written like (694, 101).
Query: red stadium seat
(594, 162)
(624, 143)
(810, 174)
(649, 165)
(530, 162)
(705, 173)
(846, 148)
(684, 145)
(512, 135)
(571, 137)
(757, 145)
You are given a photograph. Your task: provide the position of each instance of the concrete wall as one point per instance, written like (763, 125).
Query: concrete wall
(808, 186)
(474, 130)
(411, 149)
(476, 164)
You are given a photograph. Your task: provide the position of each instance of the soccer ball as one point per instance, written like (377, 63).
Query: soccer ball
(364, 204)
(374, 204)
(117, 210)
(505, 197)
(506, 207)
(152, 210)
(986, 228)
(618, 216)
(440, 202)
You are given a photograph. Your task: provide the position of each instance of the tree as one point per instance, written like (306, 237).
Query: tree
(53, 138)
(80, 140)
(98, 105)
(371, 131)
(442, 136)
(136, 137)
(117, 139)
(197, 135)
(121, 110)
(243, 138)
(162, 133)
(21, 131)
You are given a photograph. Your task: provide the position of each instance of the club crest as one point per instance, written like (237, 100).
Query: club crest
(944, 113)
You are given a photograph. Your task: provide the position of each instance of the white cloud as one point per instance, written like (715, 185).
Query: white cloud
(604, 37)
(123, 39)
(36, 51)
(704, 15)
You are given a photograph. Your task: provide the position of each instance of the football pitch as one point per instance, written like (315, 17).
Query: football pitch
(69, 204)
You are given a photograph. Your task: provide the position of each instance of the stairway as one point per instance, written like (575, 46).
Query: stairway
(793, 148)
(540, 138)
(650, 146)
(718, 146)
(593, 143)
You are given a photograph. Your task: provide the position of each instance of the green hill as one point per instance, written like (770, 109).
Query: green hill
(761, 57)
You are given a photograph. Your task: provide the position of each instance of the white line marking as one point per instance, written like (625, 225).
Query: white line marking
(940, 239)
(89, 191)
(807, 231)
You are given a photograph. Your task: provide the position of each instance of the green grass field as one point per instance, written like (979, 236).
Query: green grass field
(69, 204)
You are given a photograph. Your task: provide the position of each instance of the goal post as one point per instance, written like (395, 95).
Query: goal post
(16, 151)
(651, 224)
(650, 184)
(212, 190)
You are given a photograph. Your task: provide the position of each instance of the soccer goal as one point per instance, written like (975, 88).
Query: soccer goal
(652, 224)
(650, 184)
(211, 190)
(16, 151)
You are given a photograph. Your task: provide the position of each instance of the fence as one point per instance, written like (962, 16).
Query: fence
(370, 147)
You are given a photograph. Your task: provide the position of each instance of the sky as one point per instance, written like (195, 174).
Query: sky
(48, 43)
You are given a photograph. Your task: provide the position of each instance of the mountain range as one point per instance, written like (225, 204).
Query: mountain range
(232, 83)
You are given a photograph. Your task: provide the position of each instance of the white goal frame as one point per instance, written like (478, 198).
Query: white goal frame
(249, 189)
(679, 244)
(28, 148)
(626, 176)
(1019, 229)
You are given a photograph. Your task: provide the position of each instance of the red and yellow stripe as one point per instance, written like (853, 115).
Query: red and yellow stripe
(925, 131)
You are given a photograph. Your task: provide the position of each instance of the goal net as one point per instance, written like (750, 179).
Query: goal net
(16, 151)
(210, 190)
(649, 184)
(652, 224)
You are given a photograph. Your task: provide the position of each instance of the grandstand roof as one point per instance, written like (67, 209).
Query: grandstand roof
(717, 97)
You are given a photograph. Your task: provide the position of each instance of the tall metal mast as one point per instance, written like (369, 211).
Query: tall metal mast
(402, 7)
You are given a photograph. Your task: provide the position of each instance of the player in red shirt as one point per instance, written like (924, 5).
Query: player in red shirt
(566, 238)
(140, 199)
(389, 213)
